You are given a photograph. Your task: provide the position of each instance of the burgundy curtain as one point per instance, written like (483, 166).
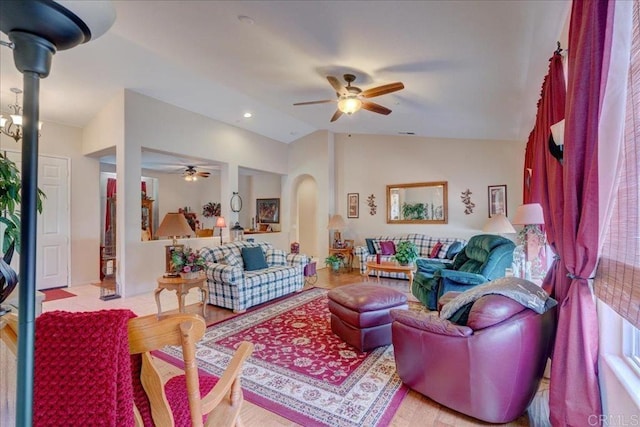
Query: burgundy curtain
(574, 396)
(538, 160)
(545, 171)
(111, 192)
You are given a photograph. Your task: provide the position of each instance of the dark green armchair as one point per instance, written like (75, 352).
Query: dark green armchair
(483, 259)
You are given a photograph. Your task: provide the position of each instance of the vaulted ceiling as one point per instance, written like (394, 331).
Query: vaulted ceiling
(471, 69)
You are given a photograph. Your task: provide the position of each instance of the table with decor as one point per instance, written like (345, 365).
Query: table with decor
(391, 267)
(181, 286)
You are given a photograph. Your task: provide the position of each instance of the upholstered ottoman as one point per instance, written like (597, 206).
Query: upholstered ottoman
(360, 314)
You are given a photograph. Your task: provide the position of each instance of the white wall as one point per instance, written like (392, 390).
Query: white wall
(309, 157)
(366, 164)
(153, 124)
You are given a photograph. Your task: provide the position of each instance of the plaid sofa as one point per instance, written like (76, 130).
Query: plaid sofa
(424, 243)
(230, 286)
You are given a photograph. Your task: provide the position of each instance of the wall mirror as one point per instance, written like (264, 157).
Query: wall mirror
(417, 203)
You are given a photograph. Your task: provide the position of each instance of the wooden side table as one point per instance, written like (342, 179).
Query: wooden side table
(346, 252)
(181, 287)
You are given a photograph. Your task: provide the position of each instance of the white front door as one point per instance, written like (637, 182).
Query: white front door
(52, 252)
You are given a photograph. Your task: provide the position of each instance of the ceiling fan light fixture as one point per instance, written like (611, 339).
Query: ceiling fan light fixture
(349, 104)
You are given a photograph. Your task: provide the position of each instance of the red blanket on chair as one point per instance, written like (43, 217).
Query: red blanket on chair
(82, 369)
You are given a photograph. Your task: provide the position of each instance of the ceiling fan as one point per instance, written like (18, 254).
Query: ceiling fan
(352, 98)
(191, 174)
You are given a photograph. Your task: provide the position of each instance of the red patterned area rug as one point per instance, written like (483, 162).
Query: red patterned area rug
(301, 370)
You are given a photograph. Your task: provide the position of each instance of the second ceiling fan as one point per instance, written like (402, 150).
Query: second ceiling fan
(191, 174)
(352, 98)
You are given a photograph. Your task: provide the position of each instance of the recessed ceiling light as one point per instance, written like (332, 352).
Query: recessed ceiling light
(246, 19)
(247, 115)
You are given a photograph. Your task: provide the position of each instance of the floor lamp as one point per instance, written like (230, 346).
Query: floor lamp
(37, 29)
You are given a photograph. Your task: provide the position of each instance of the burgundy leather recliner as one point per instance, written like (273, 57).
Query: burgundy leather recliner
(489, 369)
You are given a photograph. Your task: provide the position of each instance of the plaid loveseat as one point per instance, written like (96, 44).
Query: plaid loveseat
(424, 243)
(230, 286)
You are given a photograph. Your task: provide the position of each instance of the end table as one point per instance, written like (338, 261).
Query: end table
(181, 287)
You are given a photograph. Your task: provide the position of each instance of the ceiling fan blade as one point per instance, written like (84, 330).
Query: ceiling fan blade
(376, 108)
(203, 174)
(339, 87)
(336, 115)
(315, 102)
(382, 90)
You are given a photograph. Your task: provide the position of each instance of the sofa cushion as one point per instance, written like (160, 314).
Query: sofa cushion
(232, 260)
(254, 259)
(370, 247)
(387, 248)
(275, 257)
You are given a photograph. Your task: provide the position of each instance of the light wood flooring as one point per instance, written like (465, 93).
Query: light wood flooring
(415, 410)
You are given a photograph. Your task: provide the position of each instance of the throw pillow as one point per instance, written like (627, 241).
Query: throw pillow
(370, 247)
(454, 249)
(387, 248)
(435, 250)
(232, 260)
(254, 259)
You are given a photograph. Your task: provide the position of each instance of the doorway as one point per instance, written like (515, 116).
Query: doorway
(53, 235)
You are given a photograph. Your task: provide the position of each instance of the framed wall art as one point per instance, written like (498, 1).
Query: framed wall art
(353, 205)
(268, 211)
(497, 200)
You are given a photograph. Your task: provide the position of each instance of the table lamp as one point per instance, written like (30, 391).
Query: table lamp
(499, 224)
(220, 224)
(173, 225)
(337, 224)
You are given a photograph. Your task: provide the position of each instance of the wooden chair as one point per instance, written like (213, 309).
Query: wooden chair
(221, 405)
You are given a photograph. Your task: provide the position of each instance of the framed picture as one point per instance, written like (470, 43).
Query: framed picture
(353, 205)
(268, 211)
(497, 200)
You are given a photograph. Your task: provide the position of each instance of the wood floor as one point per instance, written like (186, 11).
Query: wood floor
(415, 410)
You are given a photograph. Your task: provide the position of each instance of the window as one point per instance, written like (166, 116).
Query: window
(631, 336)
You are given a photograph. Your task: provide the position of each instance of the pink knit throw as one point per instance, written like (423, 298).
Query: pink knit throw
(82, 369)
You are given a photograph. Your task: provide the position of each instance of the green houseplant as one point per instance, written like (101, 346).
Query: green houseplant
(10, 185)
(406, 252)
(334, 261)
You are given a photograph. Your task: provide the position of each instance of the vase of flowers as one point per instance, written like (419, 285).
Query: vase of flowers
(187, 262)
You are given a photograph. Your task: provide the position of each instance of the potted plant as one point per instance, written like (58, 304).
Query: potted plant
(406, 252)
(334, 261)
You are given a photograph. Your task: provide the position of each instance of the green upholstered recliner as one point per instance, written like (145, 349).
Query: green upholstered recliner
(483, 259)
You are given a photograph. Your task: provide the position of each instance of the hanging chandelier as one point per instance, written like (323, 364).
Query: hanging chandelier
(12, 126)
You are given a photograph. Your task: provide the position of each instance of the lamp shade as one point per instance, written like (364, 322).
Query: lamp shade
(220, 222)
(174, 224)
(529, 214)
(498, 224)
(337, 223)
